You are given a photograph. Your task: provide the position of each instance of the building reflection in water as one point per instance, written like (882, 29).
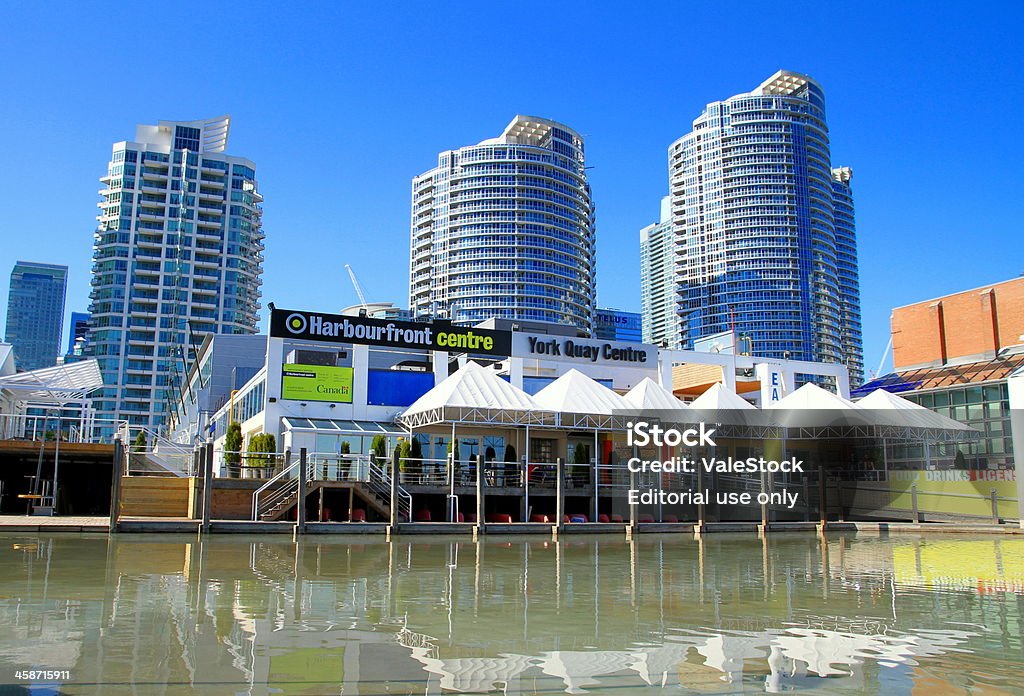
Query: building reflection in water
(262, 615)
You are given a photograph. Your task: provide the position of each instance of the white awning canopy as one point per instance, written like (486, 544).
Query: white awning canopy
(897, 410)
(811, 397)
(473, 393)
(58, 385)
(719, 397)
(649, 395)
(574, 392)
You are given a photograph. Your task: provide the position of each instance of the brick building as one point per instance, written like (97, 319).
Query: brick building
(954, 355)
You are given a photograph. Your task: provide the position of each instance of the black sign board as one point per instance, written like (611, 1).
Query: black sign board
(337, 328)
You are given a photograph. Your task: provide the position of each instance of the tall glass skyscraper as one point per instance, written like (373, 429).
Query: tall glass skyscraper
(766, 243)
(505, 229)
(35, 313)
(177, 255)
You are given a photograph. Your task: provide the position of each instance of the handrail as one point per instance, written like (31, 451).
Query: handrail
(380, 483)
(270, 482)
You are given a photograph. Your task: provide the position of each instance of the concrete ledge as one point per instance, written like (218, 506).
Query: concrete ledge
(714, 527)
(63, 528)
(465, 528)
(250, 527)
(592, 528)
(517, 528)
(911, 527)
(168, 526)
(346, 528)
(661, 527)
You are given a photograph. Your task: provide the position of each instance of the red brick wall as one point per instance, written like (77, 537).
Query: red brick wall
(974, 322)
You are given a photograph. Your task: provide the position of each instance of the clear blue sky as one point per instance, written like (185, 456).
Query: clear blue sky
(340, 105)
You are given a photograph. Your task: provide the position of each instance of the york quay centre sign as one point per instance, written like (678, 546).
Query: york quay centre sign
(337, 328)
(573, 349)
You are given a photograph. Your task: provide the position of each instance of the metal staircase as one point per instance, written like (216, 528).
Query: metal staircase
(373, 482)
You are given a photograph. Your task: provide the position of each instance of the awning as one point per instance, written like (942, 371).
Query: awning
(60, 384)
(474, 394)
(326, 426)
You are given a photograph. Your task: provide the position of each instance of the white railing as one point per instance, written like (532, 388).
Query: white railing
(279, 496)
(73, 427)
(379, 482)
(282, 489)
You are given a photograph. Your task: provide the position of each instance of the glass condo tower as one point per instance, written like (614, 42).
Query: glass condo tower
(764, 228)
(177, 256)
(505, 229)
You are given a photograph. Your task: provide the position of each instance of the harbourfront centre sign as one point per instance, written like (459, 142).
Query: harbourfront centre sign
(337, 328)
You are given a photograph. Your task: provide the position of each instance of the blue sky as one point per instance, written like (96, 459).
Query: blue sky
(340, 105)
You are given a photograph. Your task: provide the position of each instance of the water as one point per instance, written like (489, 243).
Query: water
(165, 614)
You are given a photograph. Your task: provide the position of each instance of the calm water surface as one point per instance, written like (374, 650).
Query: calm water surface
(166, 614)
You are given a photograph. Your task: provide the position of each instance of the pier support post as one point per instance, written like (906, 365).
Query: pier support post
(631, 529)
(207, 462)
(559, 493)
(764, 506)
(479, 494)
(115, 483)
(300, 503)
(393, 507)
(822, 496)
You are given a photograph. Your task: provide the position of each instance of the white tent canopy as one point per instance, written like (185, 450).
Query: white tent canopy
(811, 397)
(720, 398)
(471, 393)
(574, 392)
(901, 411)
(59, 385)
(475, 387)
(649, 395)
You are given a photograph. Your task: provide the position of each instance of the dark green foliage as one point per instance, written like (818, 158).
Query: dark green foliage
(379, 447)
(233, 443)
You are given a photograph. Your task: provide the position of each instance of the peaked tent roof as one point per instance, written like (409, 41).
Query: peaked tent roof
(649, 395)
(59, 384)
(574, 392)
(897, 410)
(473, 386)
(811, 397)
(719, 404)
(719, 397)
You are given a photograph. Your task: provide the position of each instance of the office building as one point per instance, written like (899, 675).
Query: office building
(505, 229)
(177, 256)
(764, 227)
(78, 335)
(658, 286)
(617, 325)
(35, 313)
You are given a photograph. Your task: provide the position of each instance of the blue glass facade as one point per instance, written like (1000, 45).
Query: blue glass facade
(505, 229)
(765, 239)
(616, 325)
(177, 256)
(35, 313)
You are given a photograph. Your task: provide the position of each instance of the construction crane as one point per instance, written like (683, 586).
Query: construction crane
(358, 287)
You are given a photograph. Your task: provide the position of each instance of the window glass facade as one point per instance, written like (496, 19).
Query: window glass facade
(506, 229)
(764, 227)
(174, 250)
